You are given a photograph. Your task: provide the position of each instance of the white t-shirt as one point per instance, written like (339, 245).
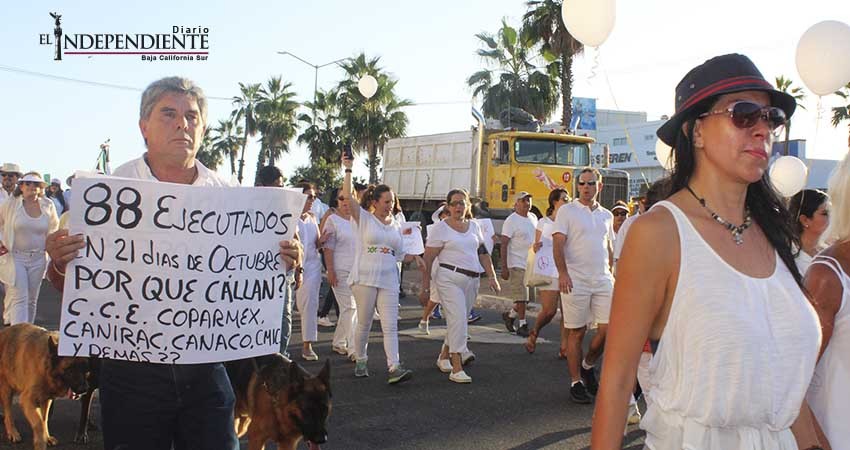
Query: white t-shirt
(308, 232)
(379, 248)
(458, 249)
(341, 241)
(541, 224)
(521, 232)
(588, 235)
(30, 232)
(138, 168)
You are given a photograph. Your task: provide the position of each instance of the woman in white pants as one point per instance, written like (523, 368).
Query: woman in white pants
(339, 238)
(26, 219)
(463, 257)
(307, 296)
(374, 280)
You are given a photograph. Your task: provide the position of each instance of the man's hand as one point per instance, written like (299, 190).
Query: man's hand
(506, 273)
(292, 253)
(63, 248)
(537, 246)
(332, 278)
(494, 285)
(565, 283)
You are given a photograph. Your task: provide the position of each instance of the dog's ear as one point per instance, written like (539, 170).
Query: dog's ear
(53, 344)
(325, 375)
(295, 376)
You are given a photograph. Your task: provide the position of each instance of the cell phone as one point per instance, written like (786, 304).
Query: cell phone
(346, 151)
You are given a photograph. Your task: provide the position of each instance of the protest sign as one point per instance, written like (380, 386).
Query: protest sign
(174, 273)
(412, 239)
(544, 259)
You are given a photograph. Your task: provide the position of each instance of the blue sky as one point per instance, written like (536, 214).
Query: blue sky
(56, 126)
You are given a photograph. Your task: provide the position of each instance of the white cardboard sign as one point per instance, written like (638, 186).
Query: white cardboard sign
(175, 273)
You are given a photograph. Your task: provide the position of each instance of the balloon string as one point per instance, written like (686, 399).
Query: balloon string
(625, 129)
(817, 121)
(595, 66)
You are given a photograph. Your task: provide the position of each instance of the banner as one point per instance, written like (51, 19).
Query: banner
(174, 273)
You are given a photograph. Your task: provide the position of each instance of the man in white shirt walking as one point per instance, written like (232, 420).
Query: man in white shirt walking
(518, 233)
(10, 174)
(584, 234)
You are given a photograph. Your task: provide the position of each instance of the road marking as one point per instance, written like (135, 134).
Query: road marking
(478, 334)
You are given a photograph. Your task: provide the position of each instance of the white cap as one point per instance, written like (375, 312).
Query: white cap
(11, 168)
(56, 181)
(32, 177)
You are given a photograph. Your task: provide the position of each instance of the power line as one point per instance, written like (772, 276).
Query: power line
(135, 89)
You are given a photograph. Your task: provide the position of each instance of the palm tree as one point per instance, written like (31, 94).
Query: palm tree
(842, 113)
(275, 117)
(245, 105)
(322, 134)
(512, 79)
(546, 24)
(370, 123)
(227, 140)
(787, 86)
(208, 154)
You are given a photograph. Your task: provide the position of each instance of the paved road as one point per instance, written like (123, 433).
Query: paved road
(517, 401)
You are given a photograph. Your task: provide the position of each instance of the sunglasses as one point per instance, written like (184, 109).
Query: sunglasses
(582, 183)
(621, 213)
(746, 114)
(341, 198)
(31, 183)
(458, 203)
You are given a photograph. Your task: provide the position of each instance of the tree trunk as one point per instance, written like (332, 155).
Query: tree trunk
(261, 161)
(242, 156)
(567, 89)
(373, 163)
(232, 157)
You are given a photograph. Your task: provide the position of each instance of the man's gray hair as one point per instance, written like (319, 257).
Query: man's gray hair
(178, 85)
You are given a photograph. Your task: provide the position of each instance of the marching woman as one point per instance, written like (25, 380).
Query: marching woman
(810, 208)
(736, 337)
(25, 219)
(550, 294)
(463, 257)
(374, 278)
(307, 295)
(829, 284)
(339, 244)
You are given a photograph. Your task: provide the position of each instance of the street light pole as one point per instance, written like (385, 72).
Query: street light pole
(315, 75)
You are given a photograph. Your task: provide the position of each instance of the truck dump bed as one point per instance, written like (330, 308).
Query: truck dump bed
(445, 158)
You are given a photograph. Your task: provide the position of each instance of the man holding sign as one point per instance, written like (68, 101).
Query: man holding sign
(134, 250)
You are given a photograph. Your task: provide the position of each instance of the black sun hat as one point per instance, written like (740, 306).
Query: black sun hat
(717, 76)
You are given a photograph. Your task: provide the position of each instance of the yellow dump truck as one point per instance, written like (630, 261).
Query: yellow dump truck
(493, 165)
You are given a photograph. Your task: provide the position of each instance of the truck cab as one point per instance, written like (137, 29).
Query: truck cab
(538, 162)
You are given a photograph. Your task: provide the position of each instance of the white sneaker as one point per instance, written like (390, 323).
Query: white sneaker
(460, 377)
(340, 350)
(634, 415)
(444, 365)
(325, 322)
(423, 327)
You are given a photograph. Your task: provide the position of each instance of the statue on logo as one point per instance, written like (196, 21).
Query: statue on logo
(57, 33)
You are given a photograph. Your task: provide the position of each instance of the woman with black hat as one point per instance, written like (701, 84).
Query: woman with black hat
(735, 338)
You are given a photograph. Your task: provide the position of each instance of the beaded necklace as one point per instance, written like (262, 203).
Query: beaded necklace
(737, 231)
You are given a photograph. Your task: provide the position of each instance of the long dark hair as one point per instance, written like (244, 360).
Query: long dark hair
(805, 203)
(554, 196)
(766, 208)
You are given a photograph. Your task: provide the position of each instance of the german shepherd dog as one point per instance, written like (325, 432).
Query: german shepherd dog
(30, 365)
(277, 400)
(93, 379)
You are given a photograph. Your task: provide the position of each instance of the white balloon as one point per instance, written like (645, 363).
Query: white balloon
(589, 21)
(823, 57)
(663, 153)
(367, 86)
(788, 175)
